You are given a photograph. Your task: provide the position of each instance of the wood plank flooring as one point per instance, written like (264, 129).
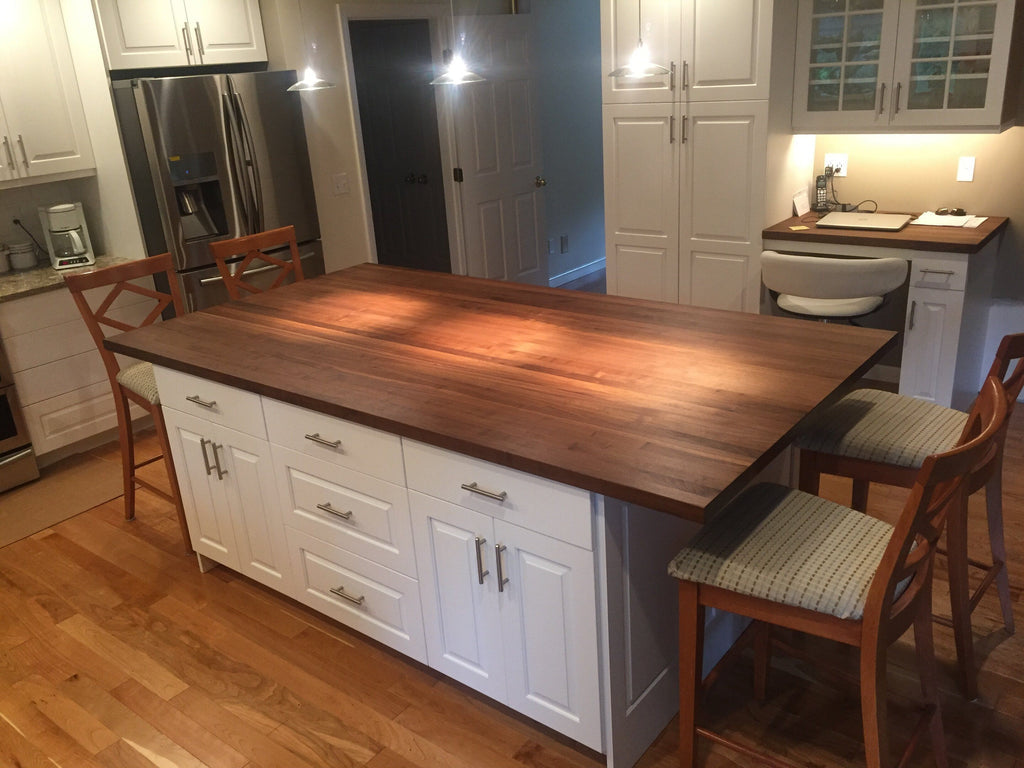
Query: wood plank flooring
(116, 652)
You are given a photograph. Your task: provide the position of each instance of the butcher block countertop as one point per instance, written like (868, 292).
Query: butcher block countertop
(914, 237)
(671, 407)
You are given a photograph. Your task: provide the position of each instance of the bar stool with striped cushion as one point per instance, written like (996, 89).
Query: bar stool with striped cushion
(875, 436)
(787, 558)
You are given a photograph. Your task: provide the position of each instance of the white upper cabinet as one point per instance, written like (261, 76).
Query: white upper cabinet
(42, 124)
(874, 65)
(170, 33)
(714, 50)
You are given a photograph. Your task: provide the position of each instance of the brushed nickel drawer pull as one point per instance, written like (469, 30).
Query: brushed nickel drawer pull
(199, 401)
(502, 579)
(24, 154)
(332, 511)
(340, 592)
(10, 156)
(206, 459)
(480, 572)
(199, 40)
(913, 311)
(315, 437)
(216, 461)
(474, 488)
(948, 272)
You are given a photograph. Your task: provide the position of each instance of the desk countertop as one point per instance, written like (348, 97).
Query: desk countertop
(675, 408)
(915, 237)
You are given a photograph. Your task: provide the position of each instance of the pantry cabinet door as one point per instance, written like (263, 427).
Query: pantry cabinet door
(623, 24)
(458, 590)
(145, 33)
(549, 628)
(717, 70)
(227, 31)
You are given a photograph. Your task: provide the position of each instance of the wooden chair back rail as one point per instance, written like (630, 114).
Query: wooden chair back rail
(252, 248)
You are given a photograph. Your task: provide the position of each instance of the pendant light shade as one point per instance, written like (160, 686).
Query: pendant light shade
(310, 82)
(640, 64)
(456, 72)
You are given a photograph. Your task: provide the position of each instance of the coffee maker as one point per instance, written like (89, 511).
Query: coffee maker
(67, 237)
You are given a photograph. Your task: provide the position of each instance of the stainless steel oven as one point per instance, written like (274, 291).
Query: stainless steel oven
(17, 459)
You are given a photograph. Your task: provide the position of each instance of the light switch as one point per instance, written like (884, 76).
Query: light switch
(965, 169)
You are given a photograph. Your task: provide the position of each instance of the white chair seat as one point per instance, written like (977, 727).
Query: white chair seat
(884, 427)
(790, 547)
(139, 379)
(801, 305)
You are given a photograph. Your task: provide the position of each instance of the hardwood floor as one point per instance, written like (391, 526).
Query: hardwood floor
(116, 652)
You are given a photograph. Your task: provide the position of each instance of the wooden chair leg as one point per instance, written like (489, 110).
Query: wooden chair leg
(172, 477)
(994, 508)
(809, 475)
(960, 597)
(127, 441)
(691, 667)
(762, 659)
(873, 704)
(924, 647)
(860, 494)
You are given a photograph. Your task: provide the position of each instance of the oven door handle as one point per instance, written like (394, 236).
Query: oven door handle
(15, 457)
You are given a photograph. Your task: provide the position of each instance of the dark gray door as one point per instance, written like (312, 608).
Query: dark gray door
(398, 118)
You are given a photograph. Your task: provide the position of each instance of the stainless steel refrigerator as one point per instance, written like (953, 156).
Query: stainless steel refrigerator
(213, 157)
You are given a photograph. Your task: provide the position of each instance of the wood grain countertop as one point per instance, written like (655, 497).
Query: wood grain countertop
(671, 407)
(916, 237)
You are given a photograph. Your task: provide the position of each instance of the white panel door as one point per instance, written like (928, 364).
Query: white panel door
(929, 344)
(46, 128)
(623, 24)
(459, 593)
(226, 31)
(204, 496)
(642, 165)
(145, 33)
(549, 621)
(721, 211)
(727, 45)
(499, 151)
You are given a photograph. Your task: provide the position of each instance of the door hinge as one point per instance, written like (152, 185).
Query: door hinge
(457, 174)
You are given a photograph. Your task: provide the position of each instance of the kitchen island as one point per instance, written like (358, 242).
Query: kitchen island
(487, 477)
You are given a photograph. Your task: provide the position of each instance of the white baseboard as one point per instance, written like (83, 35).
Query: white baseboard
(575, 274)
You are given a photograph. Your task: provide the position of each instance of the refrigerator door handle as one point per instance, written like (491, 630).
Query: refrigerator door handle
(256, 271)
(239, 160)
(253, 167)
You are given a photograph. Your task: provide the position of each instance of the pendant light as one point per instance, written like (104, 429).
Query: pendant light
(455, 70)
(639, 64)
(310, 81)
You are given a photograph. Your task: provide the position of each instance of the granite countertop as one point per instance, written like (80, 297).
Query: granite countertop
(16, 284)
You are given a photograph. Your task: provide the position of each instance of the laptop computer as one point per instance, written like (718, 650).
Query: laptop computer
(889, 222)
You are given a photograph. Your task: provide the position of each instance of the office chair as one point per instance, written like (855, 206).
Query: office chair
(830, 289)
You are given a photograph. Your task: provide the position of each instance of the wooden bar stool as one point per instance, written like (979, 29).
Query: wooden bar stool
(134, 383)
(789, 559)
(265, 247)
(875, 436)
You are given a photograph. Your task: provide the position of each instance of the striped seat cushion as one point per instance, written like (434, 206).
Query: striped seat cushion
(884, 427)
(789, 547)
(139, 379)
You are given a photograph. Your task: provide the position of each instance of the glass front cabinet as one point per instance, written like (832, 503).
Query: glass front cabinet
(880, 65)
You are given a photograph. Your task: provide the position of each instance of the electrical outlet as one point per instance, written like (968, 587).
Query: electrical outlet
(837, 162)
(563, 244)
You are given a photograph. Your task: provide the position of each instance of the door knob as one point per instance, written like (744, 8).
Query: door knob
(540, 181)
(410, 179)
(421, 179)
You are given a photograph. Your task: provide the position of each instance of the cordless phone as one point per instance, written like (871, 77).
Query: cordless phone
(820, 194)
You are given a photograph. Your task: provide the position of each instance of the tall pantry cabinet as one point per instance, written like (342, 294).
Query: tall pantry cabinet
(685, 152)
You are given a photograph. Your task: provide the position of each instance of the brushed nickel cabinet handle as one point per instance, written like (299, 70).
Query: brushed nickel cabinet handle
(480, 572)
(474, 488)
(332, 511)
(199, 401)
(340, 592)
(913, 310)
(502, 579)
(686, 75)
(896, 99)
(9, 153)
(672, 75)
(206, 459)
(315, 437)
(672, 129)
(682, 139)
(881, 99)
(24, 154)
(948, 272)
(188, 42)
(216, 461)
(199, 40)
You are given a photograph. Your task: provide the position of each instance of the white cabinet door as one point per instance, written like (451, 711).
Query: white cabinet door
(622, 27)
(722, 205)
(45, 130)
(145, 33)
(549, 631)
(930, 343)
(727, 48)
(642, 167)
(459, 593)
(227, 31)
(230, 498)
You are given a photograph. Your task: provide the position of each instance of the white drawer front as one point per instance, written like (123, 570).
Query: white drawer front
(345, 508)
(535, 503)
(381, 604)
(944, 274)
(212, 401)
(340, 442)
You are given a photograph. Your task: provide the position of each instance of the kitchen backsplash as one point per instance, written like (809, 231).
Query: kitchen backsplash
(22, 203)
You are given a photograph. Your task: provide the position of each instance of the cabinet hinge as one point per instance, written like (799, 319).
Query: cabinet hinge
(457, 174)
